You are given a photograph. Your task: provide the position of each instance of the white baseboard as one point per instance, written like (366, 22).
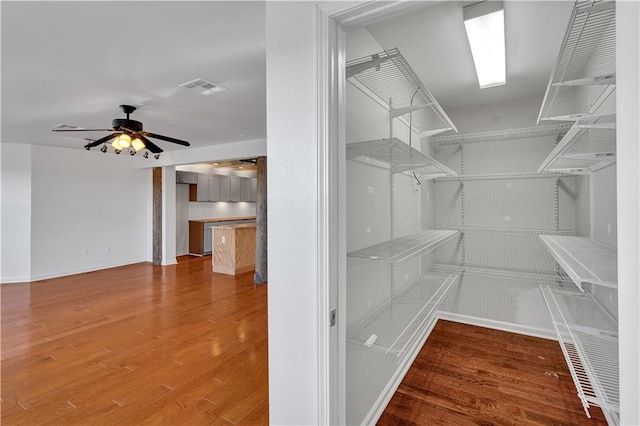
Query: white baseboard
(499, 325)
(82, 270)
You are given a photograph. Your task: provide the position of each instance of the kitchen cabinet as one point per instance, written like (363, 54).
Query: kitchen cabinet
(202, 192)
(224, 182)
(214, 188)
(234, 188)
(186, 177)
(245, 189)
(200, 232)
(254, 190)
(234, 248)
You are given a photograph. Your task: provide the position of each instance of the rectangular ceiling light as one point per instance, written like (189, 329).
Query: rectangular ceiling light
(484, 23)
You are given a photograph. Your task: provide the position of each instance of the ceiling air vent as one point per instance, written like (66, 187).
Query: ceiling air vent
(63, 126)
(206, 87)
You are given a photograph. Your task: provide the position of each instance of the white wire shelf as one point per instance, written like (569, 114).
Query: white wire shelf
(584, 260)
(588, 336)
(396, 324)
(589, 145)
(506, 134)
(584, 74)
(507, 231)
(496, 176)
(387, 78)
(403, 248)
(545, 277)
(398, 155)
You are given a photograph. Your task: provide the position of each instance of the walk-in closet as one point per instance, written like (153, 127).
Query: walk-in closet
(493, 207)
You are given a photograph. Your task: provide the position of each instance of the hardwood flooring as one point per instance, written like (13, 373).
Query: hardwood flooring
(139, 344)
(468, 375)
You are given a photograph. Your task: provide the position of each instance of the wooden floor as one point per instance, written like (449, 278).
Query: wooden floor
(136, 345)
(467, 375)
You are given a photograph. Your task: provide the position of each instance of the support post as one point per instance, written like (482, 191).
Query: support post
(157, 216)
(260, 275)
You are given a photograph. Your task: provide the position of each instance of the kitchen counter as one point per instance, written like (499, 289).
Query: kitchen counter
(200, 232)
(234, 248)
(224, 219)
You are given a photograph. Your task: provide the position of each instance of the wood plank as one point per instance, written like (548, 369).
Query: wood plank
(157, 216)
(138, 344)
(260, 276)
(473, 375)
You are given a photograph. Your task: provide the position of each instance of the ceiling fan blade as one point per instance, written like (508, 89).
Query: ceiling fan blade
(82, 130)
(167, 139)
(102, 140)
(150, 145)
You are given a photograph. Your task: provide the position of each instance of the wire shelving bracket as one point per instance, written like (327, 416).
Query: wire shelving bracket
(584, 73)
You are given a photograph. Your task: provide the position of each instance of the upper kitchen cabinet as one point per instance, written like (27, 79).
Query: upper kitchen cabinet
(186, 177)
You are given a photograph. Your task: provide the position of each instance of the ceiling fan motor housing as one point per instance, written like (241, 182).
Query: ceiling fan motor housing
(124, 123)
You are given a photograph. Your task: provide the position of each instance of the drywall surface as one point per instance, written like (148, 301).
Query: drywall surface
(604, 222)
(628, 188)
(292, 161)
(88, 211)
(504, 115)
(16, 213)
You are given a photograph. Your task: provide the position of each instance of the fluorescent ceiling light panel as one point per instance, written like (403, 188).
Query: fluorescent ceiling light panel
(484, 23)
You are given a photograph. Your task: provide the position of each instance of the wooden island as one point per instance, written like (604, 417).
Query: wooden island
(234, 248)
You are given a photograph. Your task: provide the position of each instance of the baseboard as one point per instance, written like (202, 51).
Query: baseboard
(14, 280)
(499, 325)
(170, 262)
(84, 270)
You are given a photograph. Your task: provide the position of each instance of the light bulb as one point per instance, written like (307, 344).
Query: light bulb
(125, 141)
(116, 144)
(137, 144)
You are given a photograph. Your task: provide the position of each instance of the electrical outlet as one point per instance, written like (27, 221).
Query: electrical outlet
(223, 239)
(107, 250)
(85, 252)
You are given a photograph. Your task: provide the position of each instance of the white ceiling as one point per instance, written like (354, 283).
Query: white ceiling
(434, 42)
(75, 62)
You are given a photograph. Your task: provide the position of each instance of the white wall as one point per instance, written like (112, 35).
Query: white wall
(88, 211)
(15, 265)
(628, 159)
(292, 161)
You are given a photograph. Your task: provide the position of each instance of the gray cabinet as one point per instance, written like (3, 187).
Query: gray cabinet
(234, 188)
(245, 189)
(202, 192)
(186, 177)
(225, 182)
(214, 188)
(254, 190)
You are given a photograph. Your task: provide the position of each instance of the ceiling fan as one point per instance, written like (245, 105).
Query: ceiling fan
(127, 133)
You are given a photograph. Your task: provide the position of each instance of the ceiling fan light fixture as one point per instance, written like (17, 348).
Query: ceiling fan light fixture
(156, 156)
(124, 140)
(118, 151)
(137, 144)
(104, 148)
(146, 154)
